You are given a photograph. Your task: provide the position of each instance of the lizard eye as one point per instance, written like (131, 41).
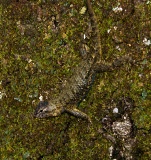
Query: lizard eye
(41, 111)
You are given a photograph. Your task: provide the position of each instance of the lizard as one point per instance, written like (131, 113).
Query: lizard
(81, 81)
(78, 84)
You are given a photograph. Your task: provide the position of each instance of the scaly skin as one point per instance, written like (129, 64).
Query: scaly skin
(79, 84)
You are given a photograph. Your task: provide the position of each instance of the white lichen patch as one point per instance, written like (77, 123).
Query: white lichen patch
(30, 60)
(2, 94)
(83, 10)
(108, 31)
(148, 2)
(117, 8)
(18, 99)
(118, 48)
(115, 110)
(41, 98)
(146, 42)
(111, 148)
(115, 28)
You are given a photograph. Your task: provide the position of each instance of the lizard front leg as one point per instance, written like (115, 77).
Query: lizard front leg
(77, 113)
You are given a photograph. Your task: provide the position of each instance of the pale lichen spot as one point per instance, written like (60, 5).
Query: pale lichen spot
(146, 42)
(2, 94)
(117, 8)
(108, 31)
(115, 110)
(83, 9)
(118, 48)
(41, 98)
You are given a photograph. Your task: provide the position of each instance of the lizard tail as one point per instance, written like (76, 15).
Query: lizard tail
(95, 31)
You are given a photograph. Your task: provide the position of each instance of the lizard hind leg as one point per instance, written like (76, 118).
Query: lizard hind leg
(77, 113)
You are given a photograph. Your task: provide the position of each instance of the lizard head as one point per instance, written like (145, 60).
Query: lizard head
(46, 109)
(41, 110)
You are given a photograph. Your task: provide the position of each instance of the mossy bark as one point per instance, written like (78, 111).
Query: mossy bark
(39, 45)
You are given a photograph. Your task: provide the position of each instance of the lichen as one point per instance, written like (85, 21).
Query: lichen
(39, 47)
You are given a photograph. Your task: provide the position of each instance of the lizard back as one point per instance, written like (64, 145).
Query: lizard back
(79, 84)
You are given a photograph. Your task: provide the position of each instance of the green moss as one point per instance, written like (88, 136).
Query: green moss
(36, 58)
